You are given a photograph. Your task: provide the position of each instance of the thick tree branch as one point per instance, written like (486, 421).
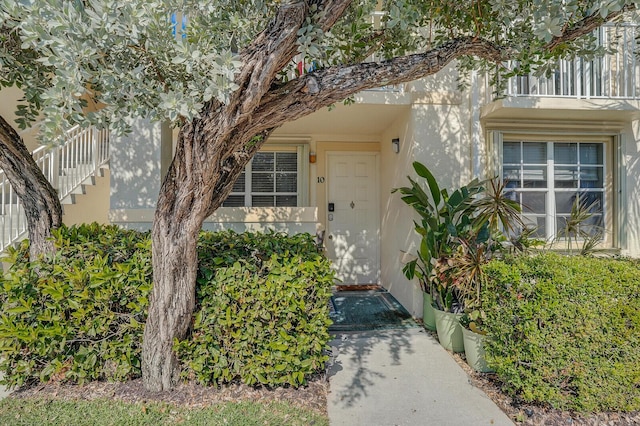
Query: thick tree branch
(274, 48)
(267, 55)
(586, 26)
(332, 11)
(322, 88)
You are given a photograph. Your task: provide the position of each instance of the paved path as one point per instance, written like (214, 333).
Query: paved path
(3, 391)
(402, 377)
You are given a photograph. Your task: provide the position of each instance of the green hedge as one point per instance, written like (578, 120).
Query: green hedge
(265, 318)
(81, 318)
(566, 330)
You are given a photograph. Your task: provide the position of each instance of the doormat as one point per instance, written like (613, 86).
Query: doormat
(367, 310)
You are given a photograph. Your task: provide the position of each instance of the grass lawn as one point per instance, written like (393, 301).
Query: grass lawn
(30, 411)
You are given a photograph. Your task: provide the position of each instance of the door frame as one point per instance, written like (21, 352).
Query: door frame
(377, 213)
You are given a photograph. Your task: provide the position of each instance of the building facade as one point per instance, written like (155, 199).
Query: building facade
(573, 134)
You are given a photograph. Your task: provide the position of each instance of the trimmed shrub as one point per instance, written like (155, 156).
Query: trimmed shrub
(566, 330)
(262, 310)
(261, 314)
(82, 316)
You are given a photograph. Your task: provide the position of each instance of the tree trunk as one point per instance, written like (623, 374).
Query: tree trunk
(210, 155)
(212, 151)
(191, 191)
(39, 200)
(173, 297)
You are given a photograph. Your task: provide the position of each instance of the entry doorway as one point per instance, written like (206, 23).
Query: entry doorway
(353, 216)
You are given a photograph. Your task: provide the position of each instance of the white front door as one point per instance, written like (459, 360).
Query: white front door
(353, 224)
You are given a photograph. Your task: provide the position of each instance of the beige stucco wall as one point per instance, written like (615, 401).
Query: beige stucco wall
(435, 132)
(397, 235)
(9, 97)
(630, 190)
(92, 206)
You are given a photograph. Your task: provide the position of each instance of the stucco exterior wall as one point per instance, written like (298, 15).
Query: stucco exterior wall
(397, 236)
(136, 166)
(9, 97)
(290, 220)
(436, 132)
(630, 191)
(92, 206)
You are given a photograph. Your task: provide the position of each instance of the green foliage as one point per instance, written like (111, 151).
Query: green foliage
(79, 315)
(579, 227)
(262, 313)
(444, 218)
(132, 59)
(459, 232)
(566, 330)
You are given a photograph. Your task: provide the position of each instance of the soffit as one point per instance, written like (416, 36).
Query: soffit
(356, 119)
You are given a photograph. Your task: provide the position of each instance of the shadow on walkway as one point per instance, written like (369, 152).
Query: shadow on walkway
(401, 375)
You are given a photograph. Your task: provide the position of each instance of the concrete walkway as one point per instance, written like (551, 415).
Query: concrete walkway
(402, 377)
(3, 391)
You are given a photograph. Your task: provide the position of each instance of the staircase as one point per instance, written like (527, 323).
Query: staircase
(68, 167)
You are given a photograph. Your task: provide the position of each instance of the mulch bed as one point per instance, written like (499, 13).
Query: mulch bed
(313, 396)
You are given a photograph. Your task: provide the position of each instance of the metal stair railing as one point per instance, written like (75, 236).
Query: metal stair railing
(66, 167)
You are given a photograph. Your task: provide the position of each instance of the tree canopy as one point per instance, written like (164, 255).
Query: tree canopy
(166, 59)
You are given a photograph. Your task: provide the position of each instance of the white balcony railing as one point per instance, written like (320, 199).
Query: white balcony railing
(66, 167)
(615, 75)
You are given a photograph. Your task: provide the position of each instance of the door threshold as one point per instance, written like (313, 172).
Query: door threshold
(359, 287)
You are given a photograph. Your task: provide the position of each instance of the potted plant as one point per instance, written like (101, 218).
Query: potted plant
(414, 268)
(469, 262)
(459, 232)
(442, 217)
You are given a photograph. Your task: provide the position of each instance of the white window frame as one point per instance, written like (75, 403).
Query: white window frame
(302, 181)
(610, 179)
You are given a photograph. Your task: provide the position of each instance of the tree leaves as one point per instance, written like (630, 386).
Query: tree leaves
(565, 330)
(263, 316)
(166, 59)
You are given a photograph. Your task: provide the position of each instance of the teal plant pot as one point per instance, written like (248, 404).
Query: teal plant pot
(449, 330)
(474, 351)
(428, 317)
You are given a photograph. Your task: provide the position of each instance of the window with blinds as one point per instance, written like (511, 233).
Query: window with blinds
(269, 180)
(547, 178)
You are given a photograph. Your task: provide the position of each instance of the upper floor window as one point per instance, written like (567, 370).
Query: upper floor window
(272, 178)
(549, 178)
